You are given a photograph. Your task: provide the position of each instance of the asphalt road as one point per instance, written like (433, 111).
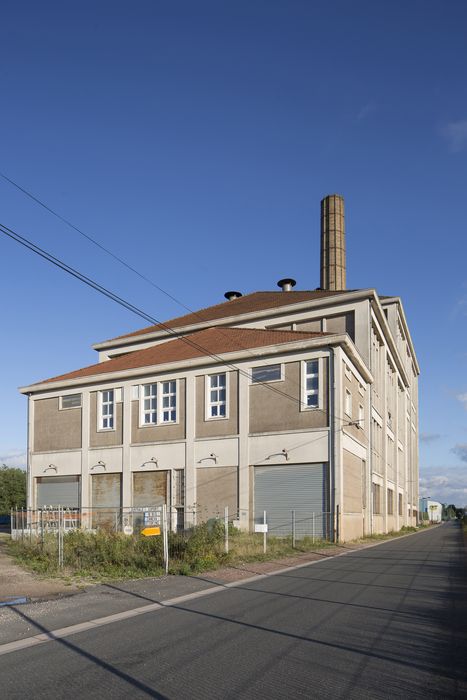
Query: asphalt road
(384, 622)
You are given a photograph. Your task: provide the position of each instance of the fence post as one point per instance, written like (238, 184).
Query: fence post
(293, 529)
(264, 533)
(22, 524)
(313, 526)
(226, 528)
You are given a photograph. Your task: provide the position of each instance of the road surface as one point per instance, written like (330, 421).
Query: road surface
(385, 622)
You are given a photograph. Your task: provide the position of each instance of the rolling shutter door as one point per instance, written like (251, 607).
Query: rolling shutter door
(302, 488)
(58, 491)
(150, 488)
(106, 500)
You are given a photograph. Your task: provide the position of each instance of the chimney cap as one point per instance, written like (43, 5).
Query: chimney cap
(232, 295)
(286, 284)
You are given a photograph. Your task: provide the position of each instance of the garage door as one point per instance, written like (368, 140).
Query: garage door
(302, 488)
(106, 501)
(150, 488)
(58, 491)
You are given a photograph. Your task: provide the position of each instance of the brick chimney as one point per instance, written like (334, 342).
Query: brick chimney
(333, 268)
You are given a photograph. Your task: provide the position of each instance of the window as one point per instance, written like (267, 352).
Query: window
(311, 383)
(390, 502)
(361, 415)
(376, 488)
(169, 402)
(106, 409)
(216, 396)
(70, 401)
(266, 373)
(400, 504)
(348, 403)
(158, 403)
(149, 404)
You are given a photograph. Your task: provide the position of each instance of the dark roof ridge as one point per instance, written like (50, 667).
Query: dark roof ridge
(235, 305)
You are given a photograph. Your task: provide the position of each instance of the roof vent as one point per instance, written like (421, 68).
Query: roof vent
(230, 296)
(286, 284)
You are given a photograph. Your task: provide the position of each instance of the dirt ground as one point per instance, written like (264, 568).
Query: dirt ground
(15, 582)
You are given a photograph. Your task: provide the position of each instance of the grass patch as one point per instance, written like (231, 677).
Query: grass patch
(100, 556)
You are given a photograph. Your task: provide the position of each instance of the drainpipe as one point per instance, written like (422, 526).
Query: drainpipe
(332, 446)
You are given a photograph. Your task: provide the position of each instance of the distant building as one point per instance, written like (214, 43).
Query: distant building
(433, 509)
(276, 401)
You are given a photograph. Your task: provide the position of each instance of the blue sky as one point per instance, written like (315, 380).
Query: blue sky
(196, 139)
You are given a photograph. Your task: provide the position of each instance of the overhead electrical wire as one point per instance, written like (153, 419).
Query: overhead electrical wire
(119, 259)
(18, 238)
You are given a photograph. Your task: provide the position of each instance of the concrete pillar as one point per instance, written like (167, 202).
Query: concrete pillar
(333, 266)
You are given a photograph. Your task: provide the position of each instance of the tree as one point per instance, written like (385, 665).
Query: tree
(12, 488)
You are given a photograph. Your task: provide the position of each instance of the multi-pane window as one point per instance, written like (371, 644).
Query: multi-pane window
(217, 396)
(400, 504)
(169, 402)
(266, 373)
(106, 409)
(149, 404)
(158, 403)
(311, 383)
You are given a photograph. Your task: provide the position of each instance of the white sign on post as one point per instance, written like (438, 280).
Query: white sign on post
(261, 527)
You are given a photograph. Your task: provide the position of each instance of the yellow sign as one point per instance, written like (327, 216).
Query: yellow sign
(151, 531)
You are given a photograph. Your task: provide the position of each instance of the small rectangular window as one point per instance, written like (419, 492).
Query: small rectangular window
(216, 398)
(311, 383)
(361, 415)
(376, 490)
(348, 403)
(266, 373)
(70, 401)
(106, 409)
(390, 502)
(400, 504)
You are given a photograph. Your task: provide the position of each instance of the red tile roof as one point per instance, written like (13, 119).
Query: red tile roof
(204, 343)
(257, 301)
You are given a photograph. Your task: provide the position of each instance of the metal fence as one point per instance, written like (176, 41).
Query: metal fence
(182, 531)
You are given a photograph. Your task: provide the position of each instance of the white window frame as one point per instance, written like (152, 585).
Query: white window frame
(318, 392)
(207, 394)
(143, 412)
(70, 408)
(267, 381)
(158, 395)
(100, 415)
(170, 394)
(348, 403)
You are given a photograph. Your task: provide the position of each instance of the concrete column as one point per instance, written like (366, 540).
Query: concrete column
(190, 466)
(243, 451)
(30, 500)
(126, 456)
(85, 476)
(333, 265)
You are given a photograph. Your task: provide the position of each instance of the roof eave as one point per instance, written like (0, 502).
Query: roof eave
(203, 361)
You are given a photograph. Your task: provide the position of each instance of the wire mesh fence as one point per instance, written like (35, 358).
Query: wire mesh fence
(184, 534)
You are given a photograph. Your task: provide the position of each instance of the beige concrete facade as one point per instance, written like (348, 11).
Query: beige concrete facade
(363, 429)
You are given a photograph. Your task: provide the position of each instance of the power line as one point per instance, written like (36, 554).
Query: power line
(134, 309)
(119, 259)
